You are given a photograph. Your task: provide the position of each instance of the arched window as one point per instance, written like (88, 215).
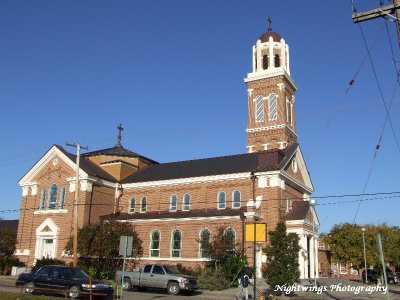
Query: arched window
(52, 197)
(62, 198)
(204, 242)
(42, 199)
(273, 111)
(176, 243)
(265, 62)
(155, 244)
(186, 202)
(132, 204)
(230, 237)
(173, 200)
(221, 200)
(277, 61)
(259, 109)
(143, 205)
(236, 199)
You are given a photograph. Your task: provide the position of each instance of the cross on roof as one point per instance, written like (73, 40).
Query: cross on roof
(120, 128)
(269, 24)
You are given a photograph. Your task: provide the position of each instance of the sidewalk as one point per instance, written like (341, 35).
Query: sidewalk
(338, 290)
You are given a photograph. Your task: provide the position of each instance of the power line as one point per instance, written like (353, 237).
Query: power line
(383, 195)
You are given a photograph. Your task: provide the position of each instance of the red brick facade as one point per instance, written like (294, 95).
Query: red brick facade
(111, 178)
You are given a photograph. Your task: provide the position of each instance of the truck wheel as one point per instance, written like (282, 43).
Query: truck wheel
(173, 288)
(29, 287)
(73, 292)
(126, 284)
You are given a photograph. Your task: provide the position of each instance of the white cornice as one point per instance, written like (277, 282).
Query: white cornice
(296, 182)
(302, 167)
(189, 219)
(257, 129)
(180, 181)
(52, 153)
(267, 74)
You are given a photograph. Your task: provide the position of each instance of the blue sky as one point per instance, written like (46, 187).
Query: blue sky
(172, 73)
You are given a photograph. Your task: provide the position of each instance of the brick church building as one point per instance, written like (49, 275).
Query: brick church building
(174, 205)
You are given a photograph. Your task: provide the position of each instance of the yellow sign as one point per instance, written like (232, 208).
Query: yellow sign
(261, 232)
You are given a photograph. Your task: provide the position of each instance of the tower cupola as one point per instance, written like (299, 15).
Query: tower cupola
(271, 119)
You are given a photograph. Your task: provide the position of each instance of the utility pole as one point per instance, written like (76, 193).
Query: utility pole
(75, 212)
(390, 11)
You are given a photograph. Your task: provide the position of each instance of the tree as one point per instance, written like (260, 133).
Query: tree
(100, 243)
(7, 242)
(228, 262)
(282, 256)
(220, 247)
(346, 244)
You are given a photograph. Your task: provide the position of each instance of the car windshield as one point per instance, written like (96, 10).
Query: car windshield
(74, 273)
(171, 270)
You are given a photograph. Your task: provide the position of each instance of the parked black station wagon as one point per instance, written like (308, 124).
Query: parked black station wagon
(63, 279)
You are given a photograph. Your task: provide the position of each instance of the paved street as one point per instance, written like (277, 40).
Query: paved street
(7, 284)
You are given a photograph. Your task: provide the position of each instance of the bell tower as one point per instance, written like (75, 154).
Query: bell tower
(271, 114)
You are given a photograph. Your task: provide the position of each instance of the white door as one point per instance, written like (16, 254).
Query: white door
(48, 248)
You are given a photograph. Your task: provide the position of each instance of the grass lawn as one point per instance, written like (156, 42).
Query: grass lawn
(13, 296)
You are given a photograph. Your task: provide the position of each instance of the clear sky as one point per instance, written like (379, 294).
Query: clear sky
(172, 73)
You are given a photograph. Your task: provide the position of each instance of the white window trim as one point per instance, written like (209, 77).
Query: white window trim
(218, 203)
(269, 107)
(200, 249)
(233, 199)
(172, 243)
(151, 243)
(132, 210)
(141, 205)
(176, 203)
(184, 204)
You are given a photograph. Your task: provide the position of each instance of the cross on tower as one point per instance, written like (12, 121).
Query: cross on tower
(120, 128)
(269, 24)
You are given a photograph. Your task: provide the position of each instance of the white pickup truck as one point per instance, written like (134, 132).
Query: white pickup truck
(158, 276)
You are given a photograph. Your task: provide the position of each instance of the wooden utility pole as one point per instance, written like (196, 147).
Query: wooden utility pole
(389, 11)
(75, 212)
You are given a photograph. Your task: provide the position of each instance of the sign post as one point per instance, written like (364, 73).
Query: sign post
(125, 249)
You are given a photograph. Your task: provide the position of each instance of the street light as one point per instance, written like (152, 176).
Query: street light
(312, 204)
(365, 256)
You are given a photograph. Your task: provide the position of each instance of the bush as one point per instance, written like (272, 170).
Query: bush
(7, 262)
(47, 261)
(232, 266)
(213, 279)
(99, 269)
(188, 270)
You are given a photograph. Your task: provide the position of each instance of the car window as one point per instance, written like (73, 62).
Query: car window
(171, 270)
(147, 268)
(74, 273)
(158, 270)
(55, 273)
(44, 271)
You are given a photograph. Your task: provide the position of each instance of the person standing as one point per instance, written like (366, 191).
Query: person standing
(244, 282)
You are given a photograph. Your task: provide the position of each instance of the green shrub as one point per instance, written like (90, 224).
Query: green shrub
(47, 261)
(232, 266)
(7, 262)
(213, 279)
(188, 270)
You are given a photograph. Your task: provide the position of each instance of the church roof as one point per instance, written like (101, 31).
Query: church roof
(259, 161)
(299, 210)
(117, 151)
(88, 166)
(265, 37)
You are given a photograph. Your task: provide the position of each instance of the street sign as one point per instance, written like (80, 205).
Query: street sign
(125, 245)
